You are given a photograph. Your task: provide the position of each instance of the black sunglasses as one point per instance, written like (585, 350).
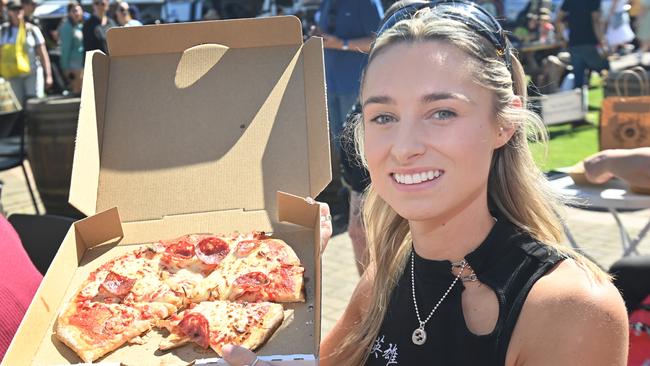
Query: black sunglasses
(470, 14)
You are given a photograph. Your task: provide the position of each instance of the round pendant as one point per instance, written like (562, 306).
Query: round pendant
(419, 336)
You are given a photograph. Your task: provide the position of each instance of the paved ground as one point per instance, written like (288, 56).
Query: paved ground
(596, 232)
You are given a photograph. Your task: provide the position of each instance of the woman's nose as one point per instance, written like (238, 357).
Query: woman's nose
(408, 142)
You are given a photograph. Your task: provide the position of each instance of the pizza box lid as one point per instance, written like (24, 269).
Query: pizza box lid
(190, 118)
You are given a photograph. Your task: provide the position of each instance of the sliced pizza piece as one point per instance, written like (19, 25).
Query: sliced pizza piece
(258, 269)
(263, 248)
(93, 329)
(188, 260)
(217, 323)
(128, 279)
(283, 284)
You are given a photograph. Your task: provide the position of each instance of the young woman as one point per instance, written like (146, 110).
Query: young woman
(465, 266)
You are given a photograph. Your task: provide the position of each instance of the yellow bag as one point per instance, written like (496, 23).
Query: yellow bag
(14, 60)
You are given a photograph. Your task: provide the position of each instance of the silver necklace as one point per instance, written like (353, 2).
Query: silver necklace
(419, 335)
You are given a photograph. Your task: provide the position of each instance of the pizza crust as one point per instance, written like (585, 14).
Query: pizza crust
(74, 337)
(260, 334)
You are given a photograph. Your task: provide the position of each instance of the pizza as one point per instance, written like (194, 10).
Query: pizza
(217, 323)
(235, 282)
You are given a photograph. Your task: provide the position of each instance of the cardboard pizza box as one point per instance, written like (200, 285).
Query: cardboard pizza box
(193, 128)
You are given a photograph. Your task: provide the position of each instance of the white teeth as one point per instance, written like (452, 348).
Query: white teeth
(417, 177)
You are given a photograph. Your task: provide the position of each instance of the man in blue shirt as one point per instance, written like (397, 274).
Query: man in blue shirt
(348, 28)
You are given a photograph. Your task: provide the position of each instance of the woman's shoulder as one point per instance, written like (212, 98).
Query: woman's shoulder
(568, 316)
(570, 286)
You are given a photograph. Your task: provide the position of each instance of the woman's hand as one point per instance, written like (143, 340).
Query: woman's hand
(325, 222)
(240, 356)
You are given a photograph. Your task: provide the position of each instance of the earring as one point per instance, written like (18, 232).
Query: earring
(500, 131)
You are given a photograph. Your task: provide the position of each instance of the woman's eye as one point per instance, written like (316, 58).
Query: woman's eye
(383, 119)
(443, 114)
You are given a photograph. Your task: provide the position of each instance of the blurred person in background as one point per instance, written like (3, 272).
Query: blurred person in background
(72, 47)
(211, 14)
(33, 83)
(123, 15)
(347, 28)
(94, 29)
(3, 11)
(587, 43)
(617, 24)
(29, 7)
(643, 26)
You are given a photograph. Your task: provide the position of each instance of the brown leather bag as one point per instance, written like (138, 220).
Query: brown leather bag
(625, 120)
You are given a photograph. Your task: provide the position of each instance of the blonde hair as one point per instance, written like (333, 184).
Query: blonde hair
(515, 185)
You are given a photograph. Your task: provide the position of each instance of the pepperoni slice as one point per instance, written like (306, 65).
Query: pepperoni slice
(252, 281)
(212, 250)
(116, 285)
(181, 250)
(245, 247)
(195, 326)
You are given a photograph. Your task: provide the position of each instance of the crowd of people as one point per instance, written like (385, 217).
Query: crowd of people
(23, 39)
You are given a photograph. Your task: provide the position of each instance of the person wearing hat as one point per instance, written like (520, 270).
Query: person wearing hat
(32, 83)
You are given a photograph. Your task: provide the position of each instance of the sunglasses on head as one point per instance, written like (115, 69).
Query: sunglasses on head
(470, 14)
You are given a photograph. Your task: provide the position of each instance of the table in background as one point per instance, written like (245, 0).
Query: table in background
(612, 196)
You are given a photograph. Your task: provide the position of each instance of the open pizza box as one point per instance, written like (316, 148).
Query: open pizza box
(193, 128)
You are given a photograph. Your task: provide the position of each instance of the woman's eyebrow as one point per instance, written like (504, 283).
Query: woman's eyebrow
(433, 97)
(427, 98)
(378, 99)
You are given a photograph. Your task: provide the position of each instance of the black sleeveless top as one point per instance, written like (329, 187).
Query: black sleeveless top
(508, 261)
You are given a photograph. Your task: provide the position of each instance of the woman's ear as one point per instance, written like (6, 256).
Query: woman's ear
(506, 130)
(516, 102)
